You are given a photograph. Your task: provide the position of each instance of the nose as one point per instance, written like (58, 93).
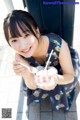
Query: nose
(22, 44)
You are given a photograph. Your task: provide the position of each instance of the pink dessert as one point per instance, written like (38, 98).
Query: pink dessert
(42, 74)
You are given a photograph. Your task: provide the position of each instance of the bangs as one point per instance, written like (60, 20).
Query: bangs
(19, 19)
(14, 31)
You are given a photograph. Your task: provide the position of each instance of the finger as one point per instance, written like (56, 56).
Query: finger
(19, 73)
(15, 67)
(47, 87)
(51, 85)
(19, 70)
(44, 87)
(15, 62)
(18, 66)
(18, 58)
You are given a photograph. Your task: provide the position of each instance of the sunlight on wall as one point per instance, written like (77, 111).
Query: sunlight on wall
(76, 37)
(3, 13)
(18, 4)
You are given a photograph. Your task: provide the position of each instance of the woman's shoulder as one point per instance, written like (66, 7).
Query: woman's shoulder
(55, 42)
(55, 38)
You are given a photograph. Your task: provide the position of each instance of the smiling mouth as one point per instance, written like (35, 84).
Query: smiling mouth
(26, 51)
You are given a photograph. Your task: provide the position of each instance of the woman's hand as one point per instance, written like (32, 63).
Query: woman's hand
(24, 72)
(18, 68)
(46, 79)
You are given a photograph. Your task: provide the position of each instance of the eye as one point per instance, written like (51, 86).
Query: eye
(26, 35)
(14, 41)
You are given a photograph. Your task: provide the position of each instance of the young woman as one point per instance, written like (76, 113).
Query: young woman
(33, 49)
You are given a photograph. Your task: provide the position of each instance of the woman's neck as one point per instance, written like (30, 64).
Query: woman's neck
(42, 47)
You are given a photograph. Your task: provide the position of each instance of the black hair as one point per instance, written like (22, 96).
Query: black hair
(21, 18)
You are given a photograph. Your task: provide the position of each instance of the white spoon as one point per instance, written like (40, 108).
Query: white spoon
(34, 70)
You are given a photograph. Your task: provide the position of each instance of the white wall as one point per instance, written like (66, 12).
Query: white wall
(18, 4)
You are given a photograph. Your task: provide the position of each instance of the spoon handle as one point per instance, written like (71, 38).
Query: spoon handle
(34, 70)
(24, 65)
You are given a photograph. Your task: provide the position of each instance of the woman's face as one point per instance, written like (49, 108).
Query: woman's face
(26, 45)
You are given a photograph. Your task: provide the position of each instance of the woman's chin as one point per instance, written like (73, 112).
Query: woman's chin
(27, 55)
